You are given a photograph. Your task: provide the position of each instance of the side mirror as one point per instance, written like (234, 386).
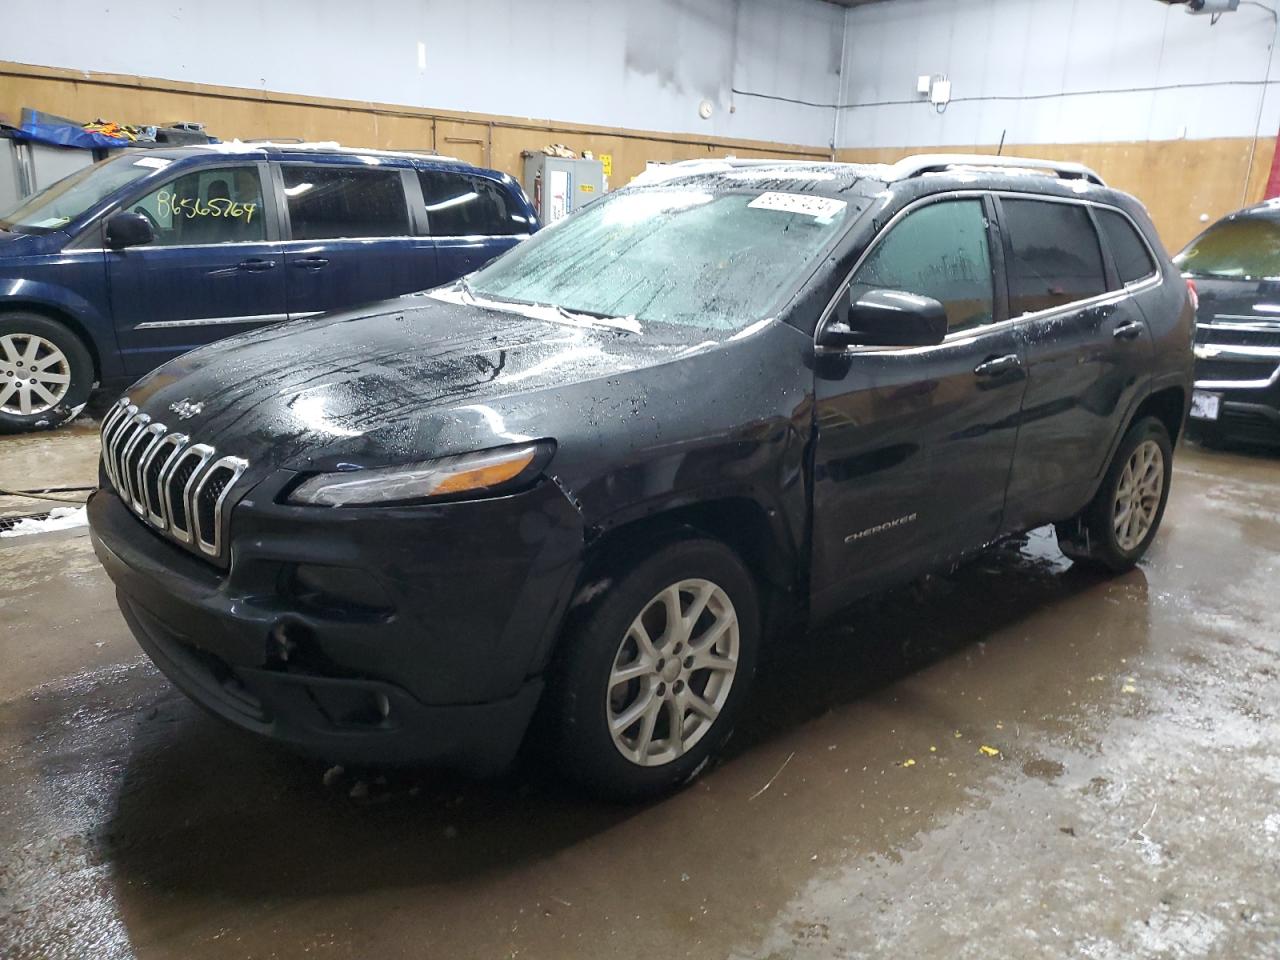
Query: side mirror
(126, 229)
(887, 318)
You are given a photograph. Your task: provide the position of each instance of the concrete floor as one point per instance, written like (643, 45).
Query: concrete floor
(1133, 809)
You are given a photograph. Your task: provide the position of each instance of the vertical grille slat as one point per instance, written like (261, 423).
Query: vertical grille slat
(132, 432)
(143, 447)
(180, 488)
(152, 470)
(207, 500)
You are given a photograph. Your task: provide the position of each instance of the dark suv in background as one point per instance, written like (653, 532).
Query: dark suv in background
(128, 263)
(594, 477)
(1235, 265)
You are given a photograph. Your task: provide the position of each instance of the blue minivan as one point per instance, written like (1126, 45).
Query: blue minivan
(121, 266)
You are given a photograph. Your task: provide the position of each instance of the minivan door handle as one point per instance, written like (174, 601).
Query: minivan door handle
(995, 366)
(255, 265)
(311, 263)
(1129, 330)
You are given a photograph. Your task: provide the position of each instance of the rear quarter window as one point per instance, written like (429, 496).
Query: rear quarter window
(1133, 259)
(462, 205)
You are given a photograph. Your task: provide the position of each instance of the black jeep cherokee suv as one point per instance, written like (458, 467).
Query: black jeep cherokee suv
(595, 476)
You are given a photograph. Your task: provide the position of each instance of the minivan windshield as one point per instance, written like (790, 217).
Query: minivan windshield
(1244, 249)
(59, 203)
(713, 259)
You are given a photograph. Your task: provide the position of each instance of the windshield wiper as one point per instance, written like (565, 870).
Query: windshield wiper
(626, 324)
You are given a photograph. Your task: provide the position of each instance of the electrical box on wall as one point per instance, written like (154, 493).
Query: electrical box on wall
(940, 95)
(1212, 6)
(558, 186)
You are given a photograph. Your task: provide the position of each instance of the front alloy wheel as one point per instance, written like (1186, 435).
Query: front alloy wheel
(35, 374)
(46, 372)
(673, 672)
(652, 673)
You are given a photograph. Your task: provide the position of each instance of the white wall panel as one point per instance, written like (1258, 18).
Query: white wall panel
(1055, 71)
(643, 65)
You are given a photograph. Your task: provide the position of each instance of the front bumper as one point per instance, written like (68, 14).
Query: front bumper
(443, 669)
(1238, 358)
(1250, 407)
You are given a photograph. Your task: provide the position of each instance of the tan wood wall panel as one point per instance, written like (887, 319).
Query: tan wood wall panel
(230, 112)
(1178, 180)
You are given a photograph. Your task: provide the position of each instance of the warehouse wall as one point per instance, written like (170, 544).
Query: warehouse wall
(234, 112)
(1180, 112)
(641, 65)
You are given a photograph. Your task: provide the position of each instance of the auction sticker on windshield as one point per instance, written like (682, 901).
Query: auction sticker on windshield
(822, 209)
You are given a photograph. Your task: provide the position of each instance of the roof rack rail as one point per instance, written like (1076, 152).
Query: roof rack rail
(924, 163)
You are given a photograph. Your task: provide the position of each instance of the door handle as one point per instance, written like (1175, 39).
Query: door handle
(255, 265)
(995, 366)
(1129, 330)
(311, 263)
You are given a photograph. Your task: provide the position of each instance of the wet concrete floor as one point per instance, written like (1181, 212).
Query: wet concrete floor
(1132, 809)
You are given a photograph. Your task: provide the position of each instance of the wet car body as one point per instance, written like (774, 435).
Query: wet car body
(425, 632)
(1238, 327)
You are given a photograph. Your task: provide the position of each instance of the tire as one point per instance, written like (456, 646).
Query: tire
(586, 699)
(1108, 536)
(63, 373)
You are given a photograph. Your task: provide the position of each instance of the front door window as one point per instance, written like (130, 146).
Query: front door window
(209, 205)
(939, 251)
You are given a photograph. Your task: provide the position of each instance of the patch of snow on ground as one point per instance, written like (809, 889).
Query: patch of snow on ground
(59, 518)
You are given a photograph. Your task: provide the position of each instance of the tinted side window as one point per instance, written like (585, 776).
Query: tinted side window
(1056, 258)
(1244, 249)
(210, 205)
(1133, 260)
(461, 205)
(938, 251)
(345, 202)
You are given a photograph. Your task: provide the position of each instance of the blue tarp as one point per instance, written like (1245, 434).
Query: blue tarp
(58, 131)
(65, 135)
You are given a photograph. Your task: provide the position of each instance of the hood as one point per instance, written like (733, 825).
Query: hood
(13, 244)
(407, 379)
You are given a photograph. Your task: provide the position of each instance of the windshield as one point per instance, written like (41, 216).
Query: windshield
(59, 203)
(1245, 249)
(715, 260)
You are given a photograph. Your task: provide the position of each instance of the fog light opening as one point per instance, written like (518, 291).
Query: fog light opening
(279, 644)
(286, 642)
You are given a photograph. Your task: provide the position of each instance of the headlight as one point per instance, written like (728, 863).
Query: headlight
(483, 472)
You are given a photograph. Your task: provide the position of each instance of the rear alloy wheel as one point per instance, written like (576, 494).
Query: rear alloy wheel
(1138, 495)
(650, 680)
(46, 373)
(1117, 527)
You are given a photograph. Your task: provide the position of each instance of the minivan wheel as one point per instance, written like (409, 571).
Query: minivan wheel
(1117, 528)
(650, 681)
(46, 374)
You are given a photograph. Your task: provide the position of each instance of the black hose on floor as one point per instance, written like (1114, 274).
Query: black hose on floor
(46, 493)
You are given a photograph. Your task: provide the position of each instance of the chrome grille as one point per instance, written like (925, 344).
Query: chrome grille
(177, 486)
